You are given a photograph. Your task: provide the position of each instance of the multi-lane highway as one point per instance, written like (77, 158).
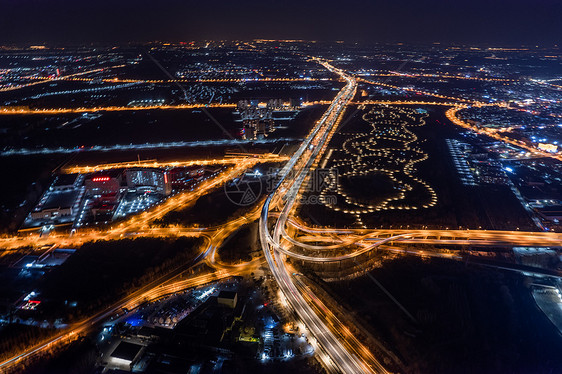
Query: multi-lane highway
(319, 244)
(291, 178)
(248, 161)
(346, 354)
(431, 236)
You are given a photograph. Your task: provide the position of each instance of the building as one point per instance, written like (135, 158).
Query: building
(105, 204)
(185, 176)
(149, 178)
(126, 354)
(59, 203)
(56, 206)
(107, 182)
(66, 182)
(228, 298)
(257, 121)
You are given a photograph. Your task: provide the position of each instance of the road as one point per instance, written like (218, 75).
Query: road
(156, 289)
(337, 327)
(355, 242)
(248, 161)
(436, 236)
(40, 80)
(345, 352)
(291, 178)
(172, 282)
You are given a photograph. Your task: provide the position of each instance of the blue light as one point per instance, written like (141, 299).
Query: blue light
(134, 321)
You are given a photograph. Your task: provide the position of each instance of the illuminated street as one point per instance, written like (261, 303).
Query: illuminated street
(273, 188)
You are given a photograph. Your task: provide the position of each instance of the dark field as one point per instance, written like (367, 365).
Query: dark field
(487, 207)
(24, 180)
(101, 272)
(468, 319)
(136, 127)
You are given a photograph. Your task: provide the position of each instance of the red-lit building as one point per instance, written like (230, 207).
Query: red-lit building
(103, 183)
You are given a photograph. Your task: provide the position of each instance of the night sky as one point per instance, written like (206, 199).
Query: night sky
(502, 22)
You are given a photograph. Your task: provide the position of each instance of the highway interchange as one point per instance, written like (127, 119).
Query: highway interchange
(278, 228)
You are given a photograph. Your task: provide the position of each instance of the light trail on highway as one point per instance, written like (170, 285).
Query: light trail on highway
(452, 115)
(337, 327)
(287, 189)
(346, 353)
(342, 237)
(248, 161)
(50, 111)
(138, 224)
(172, 282)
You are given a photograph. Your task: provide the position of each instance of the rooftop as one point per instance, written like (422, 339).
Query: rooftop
(60, 199)
(65, 180)
(227, 295)
(126, 351)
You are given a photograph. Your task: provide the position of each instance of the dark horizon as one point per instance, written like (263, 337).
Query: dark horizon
(505, 23)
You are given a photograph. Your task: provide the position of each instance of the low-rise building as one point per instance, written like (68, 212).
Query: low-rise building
(56, 205)
(228, 298)
(107, 182)
(157, 179)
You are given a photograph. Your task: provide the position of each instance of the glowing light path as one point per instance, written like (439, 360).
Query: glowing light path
(49, 111)
(452, 115)
(183, 80)
(127, 147)
(389, 149)
(42, 80)
(250, 160)
(346, 237)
